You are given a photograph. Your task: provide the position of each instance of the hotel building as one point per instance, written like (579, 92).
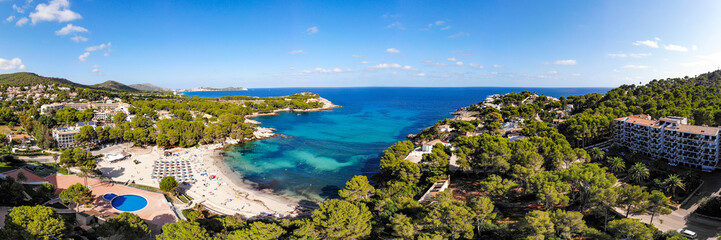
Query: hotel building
(44, 109)
(670, 138)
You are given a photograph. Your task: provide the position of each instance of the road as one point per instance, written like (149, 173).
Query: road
(682, 218)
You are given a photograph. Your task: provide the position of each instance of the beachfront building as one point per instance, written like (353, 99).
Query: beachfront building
(101, 107)
(670, 138)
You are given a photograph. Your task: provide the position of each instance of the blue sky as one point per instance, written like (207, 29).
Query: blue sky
(181, 44)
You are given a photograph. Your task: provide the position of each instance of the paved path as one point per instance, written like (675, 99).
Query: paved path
(682, 218)
(40, 158)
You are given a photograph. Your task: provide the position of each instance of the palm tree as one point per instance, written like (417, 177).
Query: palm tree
(672, 182)
(638, 172)
(597, 154)
(616, 164)
(84, 173)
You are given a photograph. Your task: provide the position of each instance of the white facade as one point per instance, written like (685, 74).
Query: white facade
(82, 106)
(65, 136)
(670, 138)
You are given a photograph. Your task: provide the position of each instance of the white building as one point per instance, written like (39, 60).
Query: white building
(670, 138)
(65, 136)
(44, 109)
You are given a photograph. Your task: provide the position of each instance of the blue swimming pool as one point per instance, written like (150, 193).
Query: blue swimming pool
(129, 203)
(109, 196)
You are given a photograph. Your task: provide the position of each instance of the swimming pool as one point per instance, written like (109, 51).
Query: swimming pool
(129, 202)
(109, 196)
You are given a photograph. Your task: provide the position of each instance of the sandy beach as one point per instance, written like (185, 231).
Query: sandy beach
(208, 179)
(213, 184)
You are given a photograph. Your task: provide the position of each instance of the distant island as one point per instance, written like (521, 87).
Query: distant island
(210, 89)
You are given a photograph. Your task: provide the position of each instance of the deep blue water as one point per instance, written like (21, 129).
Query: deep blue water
(323, 150)
(129, 202)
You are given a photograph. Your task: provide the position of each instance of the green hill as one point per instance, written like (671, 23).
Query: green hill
(111, 85)
(22, 79)
(148, 87)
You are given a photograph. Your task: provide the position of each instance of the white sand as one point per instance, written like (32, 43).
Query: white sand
(225, 194)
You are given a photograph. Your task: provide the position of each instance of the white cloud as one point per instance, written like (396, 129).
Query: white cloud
(498, 66)
(312, 30)
(84, 56)
(676, 48)
(452, 59)
(440, 22)
(397, 25)
(565, 62)
(694, 47)
(98, 47)
(427, 61)
(55, 10)
(12, 64)
(68, 29)
(97, 71)
(459, 34)
(421, 74)
(10, 19)
(712, 60)
(393, 50)
(657, 39)
(576, 74)
(439, 64)
(551, 73)
(633, 55)
(649, 43)
(391, 66)
(631, 66)
(388, 15)
(365, 62)
(22, 21)
(78, 39)
(446, 28)
(323, 70)
(639, 55)
(22, 9)
(459, 63)
(18, 9)
(474, 65)
(294, 52)
(357, 56)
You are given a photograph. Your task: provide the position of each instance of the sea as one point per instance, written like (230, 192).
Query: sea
(317, 152)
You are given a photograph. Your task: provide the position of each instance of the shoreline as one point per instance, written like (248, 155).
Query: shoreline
(217, 187)
(220, 188)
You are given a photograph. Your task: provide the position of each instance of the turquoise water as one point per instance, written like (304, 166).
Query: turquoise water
(129, 203)
(319, 151)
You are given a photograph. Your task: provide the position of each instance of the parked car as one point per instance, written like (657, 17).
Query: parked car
(687, 233)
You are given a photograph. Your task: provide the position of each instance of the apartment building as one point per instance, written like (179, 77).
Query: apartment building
(670, 138)
(65, 136)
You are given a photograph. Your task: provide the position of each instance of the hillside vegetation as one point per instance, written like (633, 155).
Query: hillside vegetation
(148, 87)
(697, 98)
(111, 85)
(22, 79)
